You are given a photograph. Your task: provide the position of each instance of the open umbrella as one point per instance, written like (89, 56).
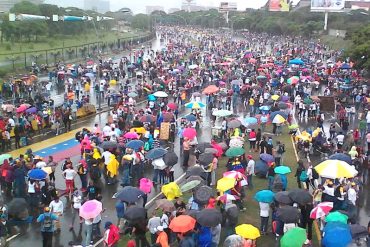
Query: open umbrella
(108, 145)
(160, 94)
(341, 156)
(336, 234)
(166, 205)
(358, 231)
(335, 169)
(172, 106)
(4, 157)
(31, 110)
(131, 135)
(294, 237)
(266, 196)
(132, 94)
(211, 89)
(321, 210)
(236, 143)
(278, 119)
(234, 124)
(288, 214)
(336, 217)
(234, 174)
(135, 144)
(235, 152)
(156, 153)
(209, 217)
(191, 118)
(147, 118)
(250, 120)
(234, 241)
(283, 197)
(190, 185)
(194, 105)
(206, 158)
(189, 133)
(202, 194)
(267, 157)
(225, 184)
(37, 174)
(130, 194)
(203, 145)
(90, 209)
(146, 185)
(134, 214)
(222, 113)
(300, 196)
(211, 151)
(282, 170)
(21, 108)
(182, 223)
(170, 158)
(248, 231)
(17, 206)
(261, 168)
(171, 190)
(196, 171)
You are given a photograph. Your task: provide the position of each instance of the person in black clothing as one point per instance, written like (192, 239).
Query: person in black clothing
(263, 144)
(269, 146)
(17, 136)
(298, 173)
(306, 221)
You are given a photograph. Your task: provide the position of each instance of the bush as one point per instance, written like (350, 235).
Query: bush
(30, 46)
(51, 43)
(8, 47)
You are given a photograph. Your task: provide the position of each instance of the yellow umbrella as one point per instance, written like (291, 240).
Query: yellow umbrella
(225, 184)
(248, 231)
(139, 130)
(335, 169)
(47, 169)
(304, 136)
(275, 97)
(171, 191)
(316, 132)
(278, 119)
(112, 82)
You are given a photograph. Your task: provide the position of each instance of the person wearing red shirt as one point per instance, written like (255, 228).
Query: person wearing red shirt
(111, 235)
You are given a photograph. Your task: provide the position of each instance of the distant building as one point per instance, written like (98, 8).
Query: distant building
(100, 6)
(151, 9)
(173, 10)
(357, 4)
(6, 5)
(194, 7)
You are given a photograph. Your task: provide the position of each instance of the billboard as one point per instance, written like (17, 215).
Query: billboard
(279, 5)
(327, 5)
(227, 6)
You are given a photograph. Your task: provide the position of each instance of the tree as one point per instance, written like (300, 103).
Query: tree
(141, 21)
(360, 49)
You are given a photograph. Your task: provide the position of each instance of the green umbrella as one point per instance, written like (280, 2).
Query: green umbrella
(190, 185)
(294, 237)
(336, 216)
(4, 157)
(235, 152)
(307, 101)
(293, 126)
(282, 170)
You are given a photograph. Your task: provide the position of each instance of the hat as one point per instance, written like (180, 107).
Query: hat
(107, 224)
(250, 156)
(159, 229)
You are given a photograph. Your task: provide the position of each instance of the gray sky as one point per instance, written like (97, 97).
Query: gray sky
(138, 6)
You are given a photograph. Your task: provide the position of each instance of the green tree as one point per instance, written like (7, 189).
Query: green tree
(141, 21)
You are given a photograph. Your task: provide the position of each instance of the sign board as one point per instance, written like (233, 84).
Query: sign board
(227, 6)
(327, 5)
(327, 103)
(164, 133)
(279, 5)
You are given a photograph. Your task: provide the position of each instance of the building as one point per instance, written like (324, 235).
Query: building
(151, 9)
(194, 7)
(173, 10)
(6, 5)
(357, 4)
(100, 6)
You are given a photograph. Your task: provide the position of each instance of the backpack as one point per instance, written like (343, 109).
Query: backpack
(315, 175)
(95, 173)
(81, 170)
(47, 224)
(303, 177)
(281, 149)
(277, 184)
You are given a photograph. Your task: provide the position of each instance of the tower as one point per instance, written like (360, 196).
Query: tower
(189, 3)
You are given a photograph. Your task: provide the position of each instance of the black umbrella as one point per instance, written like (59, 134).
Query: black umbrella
(130, 194)
(232, 213)
(135, 213)
(202, 194)
(108, 145)
(288, 214)
(261, 169)
(209, 217)
(206, 158)
(196, 171)
(192, 213)
(170, 158)
(203, 145)
(283, 105)
(300, 196)
(156, 153)
(283, 197)
(17, 207)
(137, 124)
(358, 231)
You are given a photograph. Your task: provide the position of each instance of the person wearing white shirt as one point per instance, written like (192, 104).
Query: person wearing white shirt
(57, 207)
(106, 130)
(153, 223)
(106, 155)
(340, 140)
(89, 228)
(264, 214)
(77, 200)
(250, 170)
(352, 194)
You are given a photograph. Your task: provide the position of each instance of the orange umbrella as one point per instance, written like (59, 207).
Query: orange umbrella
(182, 223)
(211, 89)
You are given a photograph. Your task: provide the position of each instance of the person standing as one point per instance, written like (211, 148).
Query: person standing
(186, 152)
(69, 176)
(153, 223)
(47, 226)
(89, 229)
(162, 238)
(250, 171)
(57, 207)
(52, 164)
(111, 235)
(77, 201)
(264, 214)
(352, 194)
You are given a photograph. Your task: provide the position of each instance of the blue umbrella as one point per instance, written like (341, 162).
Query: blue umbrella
(261, 169)
(191, 117)
(336, 234)
(266, 196)
(345, 66)
(346, 87)
(135, 144)
(264, 108)
(91, 75)
(151, 97)
(342, 157)
(296, 61)
(37, 174)
(250, 120)
(156, 153)
(267, 157)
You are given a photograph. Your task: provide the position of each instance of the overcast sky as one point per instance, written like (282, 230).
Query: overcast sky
(138, 6)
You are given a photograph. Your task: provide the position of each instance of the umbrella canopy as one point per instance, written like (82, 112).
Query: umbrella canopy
(267, 157)
(172, 106)
(234, 241)
(21, 108)
(4, 157)
(358, 231)
(236, 143)
(336, 217)
(197, 94)
(278, 119)
(336, 234)
(203, 145)
(108, 145)
(130, 194)
(294, 237)
(300, 196)
(170, 158)
(206, 158)
(209, 217)
(194, 105)
(131, 135)
(151, 97)
(235, 152)
(225, 184)
(132, 94)
(91, 209)
(234, 124)
(335, 169)
(283, 197)
(266, 196)
(134, 214)
(171, 190)
(202, 194)
(31, 110)
(156, 153)
(288, 214)
(234, 174)
(190, 185)
(211, 89)
(189, 133)
(248, 231)
(182, 223)
(146, 185)
(275, 97)
(191, 117)
(147, 118)
(222, 113)
(341, 156)
(196, 171)
(211, 151)
(321, 210)
(160, 94)
(37, 174)
(135, 144)
(296, 61)
(250, 120)
(17, 206)
(264, 108)
(282, 170)
(165, 205)
(281, 113)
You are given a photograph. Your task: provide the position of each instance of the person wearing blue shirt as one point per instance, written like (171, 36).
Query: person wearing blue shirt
(120, 210)
(47, 227)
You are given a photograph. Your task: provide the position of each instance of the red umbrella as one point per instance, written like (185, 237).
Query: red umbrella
(172, 106)
(190, 133)
(21, 108)
(218, 148)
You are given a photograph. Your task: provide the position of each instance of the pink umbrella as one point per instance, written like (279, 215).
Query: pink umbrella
(234, 174)
(189, 133)
(218, 148)
(91, 209)
(21, 108)
(321, 210)
(131, 135)
(146, 185)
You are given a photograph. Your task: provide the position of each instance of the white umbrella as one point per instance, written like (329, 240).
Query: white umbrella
(160, 94)
(193, 66)
(236, 143)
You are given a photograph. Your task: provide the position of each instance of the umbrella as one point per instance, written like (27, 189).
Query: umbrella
(321, 210)
(209, 217)
(308, 101)
(130, 194)
(131, 135)
(341, 156)
(156, 153)
(151, 97)
(234, 241)
(236, 143)
(193, 66)
(206, 158)
(146, 185)
(160, 94)
(222, 113)
(197, 94)
(266, 196)
(203, 145)
(282, 170)
(283, 105)
(300, 196)
(37, 174)
(264, 108)
(336, 234)
(147, 118)
(202, 194)
(191, 117)
(132, 94)
(267, 157)
(234, 124)
(165, 205)
(196, 171)
(170, 158)
(225, 184)
(21, 108)
(233, 174)
(108, 145)
(4, 157)
(134, 214)
(281, 113)
(335, 169)
(171, 190)
(235, 152)
(190, 185)
(17, 206)
(211, 89)
(194, 105)
(275, 97)
(296, 61)
(248, 231)
(172, 106)
(225, 198)
(189, 133)
(135, 144)
(250, 120)
(358, 231)
(288, 214)
(294, 237)
(211, 151)
(167, 116)
(31, 110)
(182, 223)
(90, 209)
(336, 217)
(278, 119)
(261, 168)
(283, 197)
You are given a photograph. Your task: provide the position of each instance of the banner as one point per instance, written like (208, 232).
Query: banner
(327, 5)
(279, 5)
(227, 6)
